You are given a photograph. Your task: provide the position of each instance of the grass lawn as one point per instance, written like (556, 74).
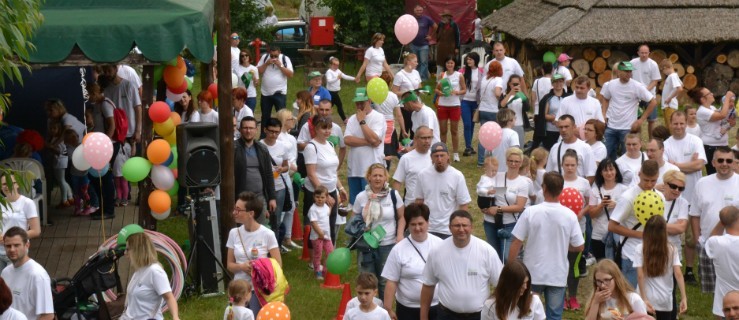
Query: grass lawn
(307, 300)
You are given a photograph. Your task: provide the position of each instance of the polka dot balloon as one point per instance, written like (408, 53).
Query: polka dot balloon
(647, 204)
(490, 135)
(572, 199)
(275, 310)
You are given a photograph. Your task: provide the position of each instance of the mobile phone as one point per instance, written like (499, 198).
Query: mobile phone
(606, 197)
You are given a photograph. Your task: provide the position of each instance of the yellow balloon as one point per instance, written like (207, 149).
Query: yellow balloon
(164, 128)
(172, 138)
(377, 90)
(647, 204)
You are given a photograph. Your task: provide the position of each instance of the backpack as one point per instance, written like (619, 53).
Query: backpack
(121, 125)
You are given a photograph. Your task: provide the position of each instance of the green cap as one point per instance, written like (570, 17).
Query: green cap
(625, 66)
(314, 74)
(360, 95)
(128, 231)
(411, 97)
(557, 76)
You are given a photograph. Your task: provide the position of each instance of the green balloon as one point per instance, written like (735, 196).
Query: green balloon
(136, 169)
(173, 191)
(521, 96)
(339, 260)
(189, 83)
(158, 71)
(173, 165)
(550, 57)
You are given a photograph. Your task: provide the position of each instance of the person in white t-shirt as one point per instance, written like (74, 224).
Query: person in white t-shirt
(366, 293)
(676, 207)
(506, 120)
(714, 123)
(607, 187)
(550, 232)
(276, 68)
(656, 151)
(472, 77)
(721, 248)
(421, 115)
(491, 88)
(239, 294)
(509, 66)
(686, 152)
(613, 297)
(693, 127)
(412, 163)
(585, 159)
(127, 72)
(731, 305)
(333, 84)
(672, 88)
(6, 311)
(564, 61)
(407, 79)
(630, 162)
(364, 133)
(541, 86)
(279, 152)
(206, 112)
(443, 189)
(621, 102)
(240, 108)
(623, 219)
(515, 277)
(450, 90)
(20, 212)
(235, 40)
(647, 72)
(374, 60)
(593, 135)
(462, 268)
(513, 100)
(248, 78)
(581, 106)
(405, 264)
(28, 281)
(336, 137)
(320, 237)
(390, 109)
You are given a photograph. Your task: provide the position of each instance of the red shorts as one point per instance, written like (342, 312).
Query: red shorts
(449, 113)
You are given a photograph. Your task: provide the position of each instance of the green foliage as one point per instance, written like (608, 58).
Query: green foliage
(486, 7)
(246, 16)
(358, 20)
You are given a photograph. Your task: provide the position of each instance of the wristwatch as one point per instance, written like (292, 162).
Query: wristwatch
(500, 210)
(361, 123)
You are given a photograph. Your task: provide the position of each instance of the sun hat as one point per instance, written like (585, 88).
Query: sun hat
(625, 66)
(563, 57)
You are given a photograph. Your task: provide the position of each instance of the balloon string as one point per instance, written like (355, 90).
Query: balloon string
(102, 205)
(400, 57)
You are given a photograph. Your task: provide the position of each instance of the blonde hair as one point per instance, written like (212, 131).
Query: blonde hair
(666, 63)
(238, 290)
(622, 287)
(538, 156)
(514, 151)
(672, 175)
(140, 251)
(409, 57)
(373, 167)
(283, 115)
(524, 170)
(491, 161)
(55, 104)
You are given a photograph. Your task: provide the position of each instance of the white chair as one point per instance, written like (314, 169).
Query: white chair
(37, 171)
(483, 55)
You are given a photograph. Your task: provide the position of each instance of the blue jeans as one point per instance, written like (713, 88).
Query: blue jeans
(501, 245)
(628, 270)
(423, 60)
(252, 104)
(588, 234)
(468, 109)
(484, 117)
(275, 218)
(356, 185)
(554, 300)
(373, 262)
(615, 141)
(276, 101)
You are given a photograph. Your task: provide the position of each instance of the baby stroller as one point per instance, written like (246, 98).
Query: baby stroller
(81, 297)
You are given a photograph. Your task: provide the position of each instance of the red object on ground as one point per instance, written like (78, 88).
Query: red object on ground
(306, 250)
(331, 281)
(297, 232)
(257, 44)
(345, 297)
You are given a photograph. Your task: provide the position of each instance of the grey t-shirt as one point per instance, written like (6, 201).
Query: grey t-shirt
(100, 112)
(254, 177)
(125, 96)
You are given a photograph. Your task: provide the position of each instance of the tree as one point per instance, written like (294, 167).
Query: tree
(246, 17)
(358, 20)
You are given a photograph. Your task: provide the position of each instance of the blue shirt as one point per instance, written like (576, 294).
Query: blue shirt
(424, 23)
(321, 93)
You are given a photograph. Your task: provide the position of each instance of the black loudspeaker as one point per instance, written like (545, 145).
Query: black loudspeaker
(199, 156)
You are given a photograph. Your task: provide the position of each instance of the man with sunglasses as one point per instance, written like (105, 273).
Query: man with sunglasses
(235, 51)
(275, 68)
(712, 194)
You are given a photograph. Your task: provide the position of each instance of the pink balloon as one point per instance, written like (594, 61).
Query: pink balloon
(98, 150)
(406, 28)
(490, 135)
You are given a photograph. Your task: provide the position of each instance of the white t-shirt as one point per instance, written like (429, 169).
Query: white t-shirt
(30, 286)
(426, 117)
(452, 100)
(235, 52)
(378, 313)
(630, 167)
(658, 289)
(251, 91)
(324, 157)
(144, 293)
(320, 215)
(582, 185)
(211, 116)
(129, 73)
(672, 82)
(388, 219)
(443, 193)
(696, 131)
(462, 276)
(516, 104)
(646, 72)
(723, 251)
(409, 166)
(360, 158)
(600, 223)
(407, 81)
(488, 101)
(279, 153)
(536, 311)
(548, 229)
(599, 152)
(250, 246)
(510, 67)
(125, 96)
(682, 151)
(712, 195)
(354, 303)
(387, 107)
(636, 302)
(679, 212)
(376, 59)
(333, 79)
(273, 79)
(623, 102)
(565, 73)
(292, 144)
(624, 215)
(542, 87)
(474, 87)
(581, 109)
(666, 166)
(240, 313)
(514, 189)
(710, 130)
(304, 135)
(405, 266)
(12, 314)
(17, 215)
(509, 139)
(585, 159)
(477, 26)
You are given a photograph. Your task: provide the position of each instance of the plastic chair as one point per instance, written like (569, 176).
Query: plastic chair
(37, 170)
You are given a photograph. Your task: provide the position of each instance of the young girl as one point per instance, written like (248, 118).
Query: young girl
(450, 89)
(693, 127)
(56, 144)
(206, 113)
(655, 266)
(333, 84)
(593, 132)
(319, 236)
(248, 78)
(121, 185)
(506, 120)
(239, 293)
(472, 77)
(512, 298)
(608, 185)
(537, 167)
(85, 202)
(577, 261)
(613, 297)
(486, 185)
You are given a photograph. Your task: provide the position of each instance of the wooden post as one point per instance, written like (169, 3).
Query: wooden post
(225, 122)
(147, 76)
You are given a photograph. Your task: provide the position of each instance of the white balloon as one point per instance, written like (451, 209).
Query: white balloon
(174, 96)
(161, 216)
(162, 177)
(78, 159)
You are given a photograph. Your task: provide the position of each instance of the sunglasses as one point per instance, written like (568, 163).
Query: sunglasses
(675, 187)
(235, 38)
(722, 160)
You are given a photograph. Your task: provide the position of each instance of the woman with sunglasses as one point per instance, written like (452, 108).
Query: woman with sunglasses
(714, 123)
(613, 297)
(608, 185)
(288, 121)
(676, 207)
(374, 60)
(248, 78)
(515, 100)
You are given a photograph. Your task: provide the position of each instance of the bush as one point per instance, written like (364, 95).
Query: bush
(358, 20)
(246, 17)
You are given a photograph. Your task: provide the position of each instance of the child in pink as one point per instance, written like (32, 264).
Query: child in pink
(318, 214)
(121, 185)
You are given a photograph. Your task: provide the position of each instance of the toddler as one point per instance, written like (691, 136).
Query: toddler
(318, 214)
(121, 185)
(486, 185)
(333, 84)
(85, 202)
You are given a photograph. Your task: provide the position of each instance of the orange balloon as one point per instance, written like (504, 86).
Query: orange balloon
(181, 64)
(159, 201)
(85, 137)
(176, 119)
(158, 151)
(275, 310)
(173, 76)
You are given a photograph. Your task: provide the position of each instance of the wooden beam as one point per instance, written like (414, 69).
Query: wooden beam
(684, 55)
(145, 187)
(708, 57)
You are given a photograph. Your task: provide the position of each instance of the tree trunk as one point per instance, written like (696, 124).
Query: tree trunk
(616, 57)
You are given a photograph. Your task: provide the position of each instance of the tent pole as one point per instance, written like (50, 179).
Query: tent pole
(147, 76)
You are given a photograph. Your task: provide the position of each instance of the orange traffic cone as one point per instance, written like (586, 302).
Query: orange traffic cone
(331, 281)
(297, 232)
(306, 239)
(345, 297)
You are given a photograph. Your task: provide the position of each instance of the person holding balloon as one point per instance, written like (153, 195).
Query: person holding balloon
(101, 150)
(491, 87)
(248, 78)
(374, 60)
(608, 186)
(450, 89)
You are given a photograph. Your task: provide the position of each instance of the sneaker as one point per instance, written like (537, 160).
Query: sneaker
(319, 275)
(310, 265)
(89, 210)
(117, 202)
(294, 245)
(690, 278)
(590, 260)
(456, 157)
(574, 305)
(467, 152)
(284, 249)
(584, 274)
(124, 203)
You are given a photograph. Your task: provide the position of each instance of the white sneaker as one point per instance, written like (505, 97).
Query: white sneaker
(284, 249)
(295, 245)
(456, 157)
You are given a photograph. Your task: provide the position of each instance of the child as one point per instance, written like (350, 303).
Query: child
(333, 84)
(121, 185)
(85, 202)
(319, 220)
(239, 293)
(366, 292)
(537, 167)
(693, 127)
(577, 261)
(672, 88)
(56, 145)
(506, 120)
(486, 185)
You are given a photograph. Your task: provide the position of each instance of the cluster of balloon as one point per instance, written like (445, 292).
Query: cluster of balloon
(94, 154)
(160, 162)
(178, 76)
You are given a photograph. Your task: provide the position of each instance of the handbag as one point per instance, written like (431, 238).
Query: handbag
(476, 116)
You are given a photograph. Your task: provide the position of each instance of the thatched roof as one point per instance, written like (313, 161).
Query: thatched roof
(607, 22)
